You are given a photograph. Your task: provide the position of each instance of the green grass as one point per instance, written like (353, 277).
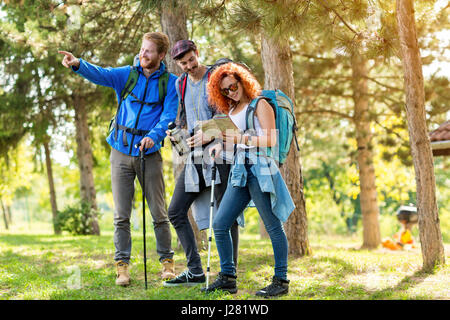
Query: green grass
(43, 266)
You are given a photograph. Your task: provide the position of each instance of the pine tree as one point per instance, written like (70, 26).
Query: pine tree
(75, 27)
(266, 19)
(429, 227)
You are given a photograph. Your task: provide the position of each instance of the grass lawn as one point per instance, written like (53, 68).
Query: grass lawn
(48, 267)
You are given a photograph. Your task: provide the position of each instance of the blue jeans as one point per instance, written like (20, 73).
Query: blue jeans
(233, 203)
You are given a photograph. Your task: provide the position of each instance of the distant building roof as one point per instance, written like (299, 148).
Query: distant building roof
(440, 140)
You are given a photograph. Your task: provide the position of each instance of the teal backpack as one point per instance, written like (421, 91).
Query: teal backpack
(284, 120)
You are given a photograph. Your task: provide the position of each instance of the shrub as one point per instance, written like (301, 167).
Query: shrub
(77, 218)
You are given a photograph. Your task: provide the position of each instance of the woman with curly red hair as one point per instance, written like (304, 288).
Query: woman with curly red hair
(253, 176)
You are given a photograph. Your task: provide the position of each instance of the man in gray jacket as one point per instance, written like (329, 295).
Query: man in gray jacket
(195, 177)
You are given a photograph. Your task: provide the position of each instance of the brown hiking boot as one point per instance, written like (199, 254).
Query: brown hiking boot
(168, 271)
(122, 273)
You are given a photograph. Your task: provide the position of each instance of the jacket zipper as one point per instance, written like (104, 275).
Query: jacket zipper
(138, 115)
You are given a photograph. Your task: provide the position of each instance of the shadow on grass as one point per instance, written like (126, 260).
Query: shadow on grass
(341, 267)
(86, 245)
(22, 273)
(53, 240)
(332, 284)
(405, 284)
(24, 276)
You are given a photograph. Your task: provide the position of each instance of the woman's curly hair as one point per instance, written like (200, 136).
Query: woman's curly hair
(251, 86)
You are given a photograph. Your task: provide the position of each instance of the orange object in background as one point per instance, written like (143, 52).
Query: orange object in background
(402, 240)
(388, 243)
(406, 237)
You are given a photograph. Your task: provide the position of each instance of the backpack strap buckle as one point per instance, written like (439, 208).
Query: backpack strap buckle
(135, 132)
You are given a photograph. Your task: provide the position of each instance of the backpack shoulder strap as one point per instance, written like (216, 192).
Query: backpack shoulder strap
(182, 86)
(210, 71)
(163, 82)
(182, 91)
(250, 114)
(130, 84)
(133, 77)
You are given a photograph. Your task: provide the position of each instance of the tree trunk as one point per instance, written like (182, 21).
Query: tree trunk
(5, 218)
(85, 158)
(361, 118)
(51, 184)
(173, 23)
(45, 139)
(277, 63)
(262, 230)
(9, 214)
(429, 225)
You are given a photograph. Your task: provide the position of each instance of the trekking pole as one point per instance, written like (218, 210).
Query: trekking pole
(142, 155)
(211, 209)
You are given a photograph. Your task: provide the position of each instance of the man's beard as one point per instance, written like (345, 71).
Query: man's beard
(148, 64)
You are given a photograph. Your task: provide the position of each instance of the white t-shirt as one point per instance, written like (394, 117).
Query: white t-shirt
(240, 120)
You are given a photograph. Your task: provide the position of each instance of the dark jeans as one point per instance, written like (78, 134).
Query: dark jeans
(178, 215)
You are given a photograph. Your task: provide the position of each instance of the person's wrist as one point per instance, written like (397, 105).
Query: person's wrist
(75, 66)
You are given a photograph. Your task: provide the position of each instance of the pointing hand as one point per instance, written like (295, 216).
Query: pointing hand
(69, 60)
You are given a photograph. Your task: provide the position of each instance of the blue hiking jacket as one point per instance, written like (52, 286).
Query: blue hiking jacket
(131, 113)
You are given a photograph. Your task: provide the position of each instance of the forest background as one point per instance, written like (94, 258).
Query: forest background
(55, 160)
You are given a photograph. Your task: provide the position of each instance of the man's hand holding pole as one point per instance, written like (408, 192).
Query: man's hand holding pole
(146, 143)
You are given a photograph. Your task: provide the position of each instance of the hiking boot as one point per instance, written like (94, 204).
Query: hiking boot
(122, 273)
(276, 288)
(186, 278)
(224, 282)
(168, 271)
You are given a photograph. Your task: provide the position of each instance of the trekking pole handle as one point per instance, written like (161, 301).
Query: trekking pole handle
(213, 154)
(142, 152)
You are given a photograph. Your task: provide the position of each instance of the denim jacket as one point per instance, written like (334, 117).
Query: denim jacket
(201, 205)
(269, 178)
(191, 178)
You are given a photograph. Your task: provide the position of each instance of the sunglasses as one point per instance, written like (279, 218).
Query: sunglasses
(232, 87)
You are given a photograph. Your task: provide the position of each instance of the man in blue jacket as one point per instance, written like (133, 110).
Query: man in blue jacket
(142, 116)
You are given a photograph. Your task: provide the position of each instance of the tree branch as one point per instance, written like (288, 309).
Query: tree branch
(340, 18)
(390, 131)
(382, 84)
